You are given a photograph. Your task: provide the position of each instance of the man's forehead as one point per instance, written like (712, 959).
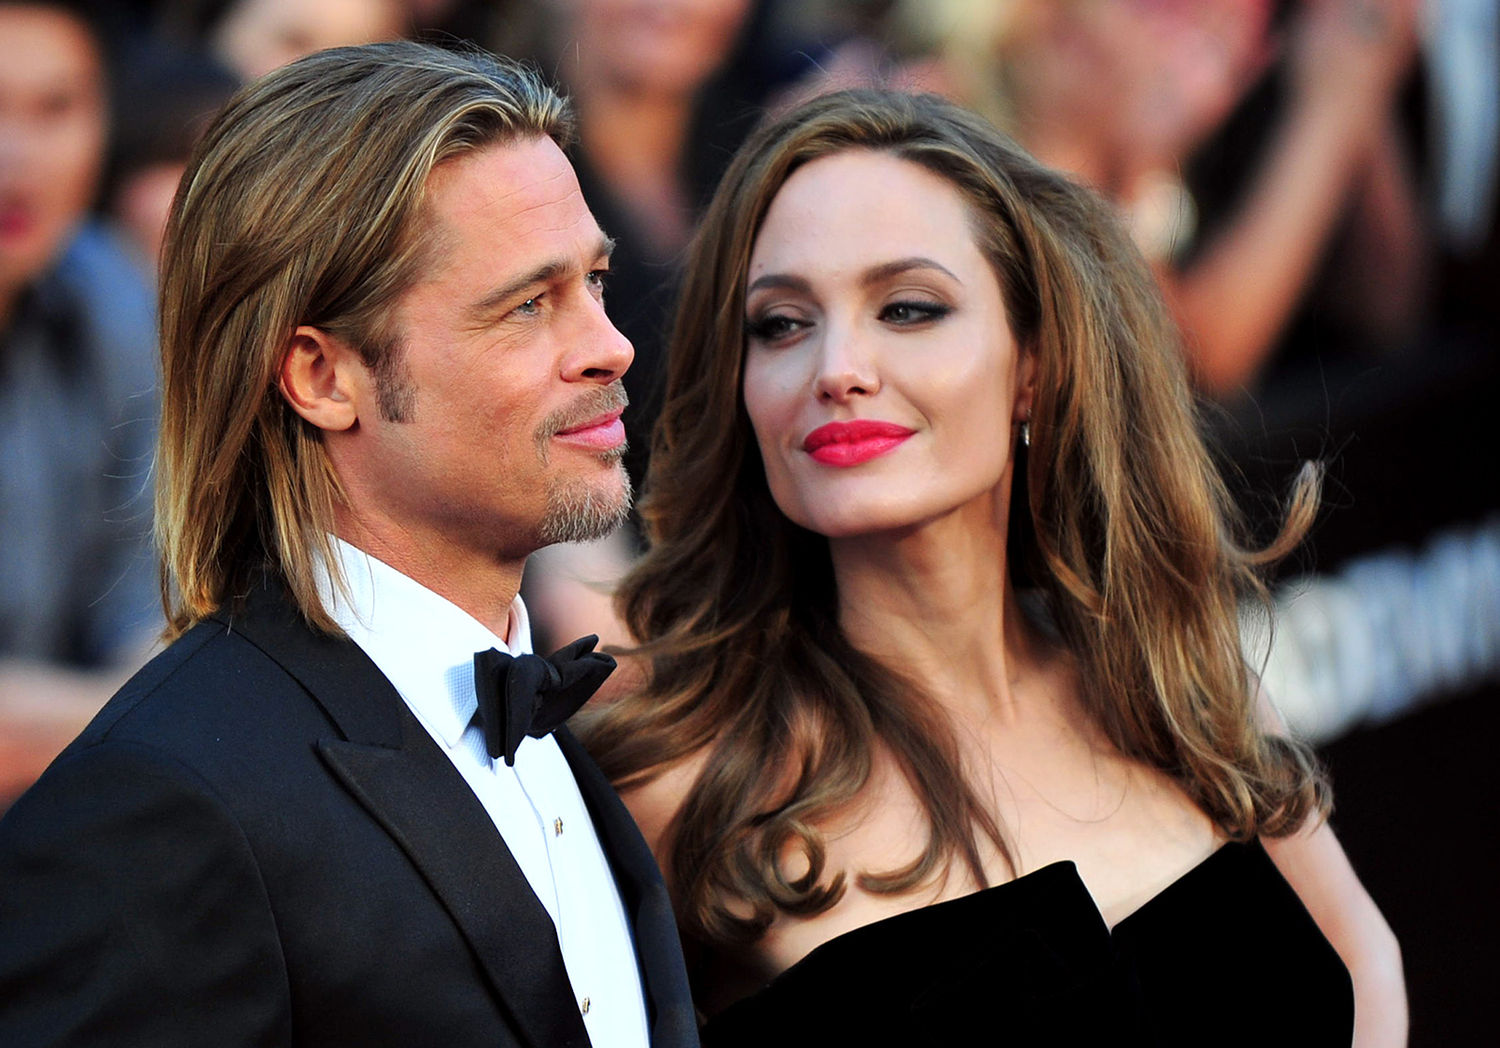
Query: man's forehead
(511, 177)
(526, 189)
(498, 223)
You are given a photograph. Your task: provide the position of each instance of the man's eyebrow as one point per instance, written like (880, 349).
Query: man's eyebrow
(546, 273)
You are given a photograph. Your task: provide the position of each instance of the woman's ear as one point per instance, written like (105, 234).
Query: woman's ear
(1025, 384)
(320, 378)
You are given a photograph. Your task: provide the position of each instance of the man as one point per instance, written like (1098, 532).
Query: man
(78, 602)
(318, 817)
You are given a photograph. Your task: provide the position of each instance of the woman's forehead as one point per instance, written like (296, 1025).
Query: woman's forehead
(859, 204)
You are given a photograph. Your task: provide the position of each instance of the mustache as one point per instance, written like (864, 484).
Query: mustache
(598, 401)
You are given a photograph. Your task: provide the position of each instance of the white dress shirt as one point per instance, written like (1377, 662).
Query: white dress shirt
(425, 646)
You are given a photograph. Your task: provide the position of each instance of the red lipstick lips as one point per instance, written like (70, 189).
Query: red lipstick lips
(851, 443)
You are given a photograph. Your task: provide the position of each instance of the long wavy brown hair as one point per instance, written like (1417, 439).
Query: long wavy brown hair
(1125, 531)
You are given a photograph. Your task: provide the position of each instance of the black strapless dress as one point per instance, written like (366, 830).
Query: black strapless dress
(1226, 955)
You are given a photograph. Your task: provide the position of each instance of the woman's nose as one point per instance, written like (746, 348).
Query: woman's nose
(846, 368)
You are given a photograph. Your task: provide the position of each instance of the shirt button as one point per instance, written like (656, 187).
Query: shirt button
(583, 1006)
(557, 827)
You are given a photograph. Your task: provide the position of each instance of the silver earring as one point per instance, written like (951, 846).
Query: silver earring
(1026, 434)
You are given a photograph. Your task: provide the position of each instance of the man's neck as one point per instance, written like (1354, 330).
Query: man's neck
(483, 587)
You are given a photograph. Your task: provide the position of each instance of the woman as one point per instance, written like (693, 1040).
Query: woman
(944, 674)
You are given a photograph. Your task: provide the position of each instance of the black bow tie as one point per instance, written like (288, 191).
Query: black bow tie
(531, 695)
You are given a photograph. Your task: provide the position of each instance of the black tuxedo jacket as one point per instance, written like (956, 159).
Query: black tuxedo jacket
(256, 843)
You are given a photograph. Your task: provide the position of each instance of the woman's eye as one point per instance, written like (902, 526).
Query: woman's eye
(773, 328)
(903, 313)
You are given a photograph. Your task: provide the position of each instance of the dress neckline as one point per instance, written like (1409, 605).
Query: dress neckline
(1034, 957)
(1059, 876)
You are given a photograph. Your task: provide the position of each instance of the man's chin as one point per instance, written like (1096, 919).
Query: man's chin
(585, 510)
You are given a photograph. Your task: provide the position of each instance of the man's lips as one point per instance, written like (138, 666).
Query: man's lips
(850, 443)
(602, 432)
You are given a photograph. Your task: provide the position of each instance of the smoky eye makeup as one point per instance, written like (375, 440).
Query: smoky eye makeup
(772, 326)
(909, 312)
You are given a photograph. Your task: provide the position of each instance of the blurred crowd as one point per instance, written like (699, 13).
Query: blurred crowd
(1313, 181)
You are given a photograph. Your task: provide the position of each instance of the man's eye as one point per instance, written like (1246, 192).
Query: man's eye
(530, 307)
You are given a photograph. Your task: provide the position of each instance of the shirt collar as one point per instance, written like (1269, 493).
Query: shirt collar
(423, 643)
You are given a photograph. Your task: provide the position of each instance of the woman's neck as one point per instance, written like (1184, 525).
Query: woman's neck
(936, 604)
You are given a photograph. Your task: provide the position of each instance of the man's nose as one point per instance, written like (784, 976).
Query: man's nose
(600, 352)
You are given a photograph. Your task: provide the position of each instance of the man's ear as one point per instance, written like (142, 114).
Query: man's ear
(320, 377)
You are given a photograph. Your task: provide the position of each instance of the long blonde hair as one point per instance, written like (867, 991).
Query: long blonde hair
(301, 205)
(1124, 529)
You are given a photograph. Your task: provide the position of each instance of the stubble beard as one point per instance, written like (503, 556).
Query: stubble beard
(580, 510)
(577, 510)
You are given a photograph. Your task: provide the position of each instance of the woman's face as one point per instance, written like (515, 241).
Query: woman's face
(881, 376)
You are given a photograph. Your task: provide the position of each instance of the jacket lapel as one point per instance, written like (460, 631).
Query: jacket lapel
(422, 801)
(389, 763)
(674, 1023)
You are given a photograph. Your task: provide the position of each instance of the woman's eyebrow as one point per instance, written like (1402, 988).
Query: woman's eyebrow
(874, 275)
(780, 281)
(886, 270)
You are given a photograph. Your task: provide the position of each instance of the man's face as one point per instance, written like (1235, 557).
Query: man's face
(52, 124)
(509, 435)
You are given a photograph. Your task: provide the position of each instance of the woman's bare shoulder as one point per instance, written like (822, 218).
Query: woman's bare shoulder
(656, 801)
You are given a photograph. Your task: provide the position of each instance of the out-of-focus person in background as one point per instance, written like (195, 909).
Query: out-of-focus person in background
(166, 94)
(1324, 189)
(78, 599)
(183, 61)
(257, 36)
(253, 37)
(504, 27)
